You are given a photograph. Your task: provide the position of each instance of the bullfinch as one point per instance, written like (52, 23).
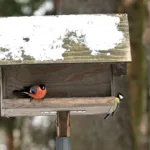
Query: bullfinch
(35, 91)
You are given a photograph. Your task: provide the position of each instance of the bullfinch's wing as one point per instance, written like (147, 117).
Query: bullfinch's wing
(33, 89)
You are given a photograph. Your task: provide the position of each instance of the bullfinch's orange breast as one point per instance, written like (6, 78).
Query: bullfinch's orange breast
(39, 94)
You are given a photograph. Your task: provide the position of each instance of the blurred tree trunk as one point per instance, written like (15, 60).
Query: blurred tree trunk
(10, 139)
(146, 40)
(137, 69)
(9, 125)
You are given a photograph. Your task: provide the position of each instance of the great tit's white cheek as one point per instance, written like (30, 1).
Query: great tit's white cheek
(120, 96)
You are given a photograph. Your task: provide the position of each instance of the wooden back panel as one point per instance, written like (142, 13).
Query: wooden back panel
(62, 80)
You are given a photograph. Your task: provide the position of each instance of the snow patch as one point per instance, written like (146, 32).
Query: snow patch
(46, 35)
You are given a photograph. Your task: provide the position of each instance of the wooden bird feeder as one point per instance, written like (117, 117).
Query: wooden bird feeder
(81, 59)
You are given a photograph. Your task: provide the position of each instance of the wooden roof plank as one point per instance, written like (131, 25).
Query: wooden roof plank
(64, 39)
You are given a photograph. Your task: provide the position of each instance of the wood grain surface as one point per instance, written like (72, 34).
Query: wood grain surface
(79, 88)
(76, 106)
(62, 80)
(1, 90)
(53, 111)
(72, 102)
(98, 38)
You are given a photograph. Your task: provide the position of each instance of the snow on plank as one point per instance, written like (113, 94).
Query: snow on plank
(64, 39)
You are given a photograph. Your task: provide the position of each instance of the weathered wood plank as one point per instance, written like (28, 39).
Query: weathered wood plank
(62, 80)
(118, 70)
(1, 91)
(63, 123)
(72, 102)
(76, 106)
(97, 38)
(53, 111)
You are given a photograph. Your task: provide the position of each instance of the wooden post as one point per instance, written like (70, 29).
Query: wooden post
(63, 141)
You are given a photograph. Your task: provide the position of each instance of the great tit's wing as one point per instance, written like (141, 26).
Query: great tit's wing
(109, 113)
(115, 110)
(116, 102)
(116, 105)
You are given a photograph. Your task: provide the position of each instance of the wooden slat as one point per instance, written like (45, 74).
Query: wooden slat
(51, 39)
(53, 111)
(73, 102)
(77, 106)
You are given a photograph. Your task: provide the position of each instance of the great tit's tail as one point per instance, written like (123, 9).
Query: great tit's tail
(106, 116)
(113, 113)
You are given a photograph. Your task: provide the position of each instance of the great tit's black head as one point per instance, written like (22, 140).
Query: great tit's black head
(42, 86)
(120, 96)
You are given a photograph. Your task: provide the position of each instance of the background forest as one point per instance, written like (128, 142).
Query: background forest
(91, 132)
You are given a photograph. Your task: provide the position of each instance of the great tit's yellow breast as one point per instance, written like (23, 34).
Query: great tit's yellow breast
(117, 100)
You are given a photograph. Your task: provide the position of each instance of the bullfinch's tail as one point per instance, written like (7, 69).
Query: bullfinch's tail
(20, 91)
(16, 91)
